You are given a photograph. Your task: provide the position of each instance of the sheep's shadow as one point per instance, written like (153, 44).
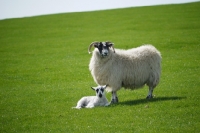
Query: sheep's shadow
(157, 99)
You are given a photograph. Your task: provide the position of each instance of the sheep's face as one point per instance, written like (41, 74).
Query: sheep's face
(99, 90)
(103, 48)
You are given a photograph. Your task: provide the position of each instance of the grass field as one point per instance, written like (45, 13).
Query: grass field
(44, 71)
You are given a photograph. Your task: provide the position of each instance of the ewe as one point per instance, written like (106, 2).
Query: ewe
(132, 68)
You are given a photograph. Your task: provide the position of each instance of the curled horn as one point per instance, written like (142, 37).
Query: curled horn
(111, 45)
(92, 44)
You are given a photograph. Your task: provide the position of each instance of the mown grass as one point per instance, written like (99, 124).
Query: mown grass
(44, 71)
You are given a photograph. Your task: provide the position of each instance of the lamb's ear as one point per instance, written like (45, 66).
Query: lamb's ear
(93, 88)
(105, 86)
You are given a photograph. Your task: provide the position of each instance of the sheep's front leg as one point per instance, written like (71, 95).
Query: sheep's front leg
(114, 97)
(150, 94)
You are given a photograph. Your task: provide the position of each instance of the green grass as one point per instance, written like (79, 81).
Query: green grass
(44, 71)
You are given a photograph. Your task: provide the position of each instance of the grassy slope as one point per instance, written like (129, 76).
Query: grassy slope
(44, 71)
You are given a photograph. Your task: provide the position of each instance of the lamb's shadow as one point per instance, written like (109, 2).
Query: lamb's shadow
(157, 99)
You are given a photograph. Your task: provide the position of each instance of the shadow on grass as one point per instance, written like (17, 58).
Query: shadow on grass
(143, 101)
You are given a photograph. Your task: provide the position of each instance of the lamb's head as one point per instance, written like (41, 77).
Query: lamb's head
(103, 47)
(99, 90)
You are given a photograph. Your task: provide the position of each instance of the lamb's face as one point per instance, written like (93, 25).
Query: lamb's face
(99, 90)
(103, 48)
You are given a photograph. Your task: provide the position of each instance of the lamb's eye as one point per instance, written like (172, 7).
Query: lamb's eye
(97, 90)
(102, 90)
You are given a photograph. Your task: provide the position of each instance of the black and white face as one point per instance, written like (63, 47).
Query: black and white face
(103, 48)
(99, 90)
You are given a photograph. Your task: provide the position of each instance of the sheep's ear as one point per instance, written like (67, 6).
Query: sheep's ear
(110, 44)
(96, 45)
(93, 88)
(90, 46)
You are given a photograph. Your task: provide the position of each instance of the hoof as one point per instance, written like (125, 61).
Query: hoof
(149, 97)
(114, 101)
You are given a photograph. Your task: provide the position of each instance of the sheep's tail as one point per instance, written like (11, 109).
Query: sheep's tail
(92, 44)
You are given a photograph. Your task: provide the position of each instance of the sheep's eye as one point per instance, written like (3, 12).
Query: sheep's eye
(97, 90)
(102, 90)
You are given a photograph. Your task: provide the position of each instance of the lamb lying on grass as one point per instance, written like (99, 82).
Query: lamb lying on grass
(93, 101)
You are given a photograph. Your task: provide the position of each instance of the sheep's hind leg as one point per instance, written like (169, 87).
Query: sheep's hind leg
(114, 97)
(150, 94)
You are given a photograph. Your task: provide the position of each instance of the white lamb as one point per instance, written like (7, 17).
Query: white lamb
(93, 101)
(132, 68)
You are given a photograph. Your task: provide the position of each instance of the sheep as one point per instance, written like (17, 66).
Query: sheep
(131, 69)
(93, 101)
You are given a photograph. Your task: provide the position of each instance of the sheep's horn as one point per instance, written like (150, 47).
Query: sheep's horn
(92, 44)
(112, 46)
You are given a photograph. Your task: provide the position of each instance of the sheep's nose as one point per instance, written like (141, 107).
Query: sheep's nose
(104, 52)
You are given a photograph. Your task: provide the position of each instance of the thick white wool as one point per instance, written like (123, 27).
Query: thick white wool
(131, 68)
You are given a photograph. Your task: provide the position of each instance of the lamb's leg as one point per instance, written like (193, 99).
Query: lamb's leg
(150, 94)
(89, 106)
(114, 97)
(107, 104)
(76, 107)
